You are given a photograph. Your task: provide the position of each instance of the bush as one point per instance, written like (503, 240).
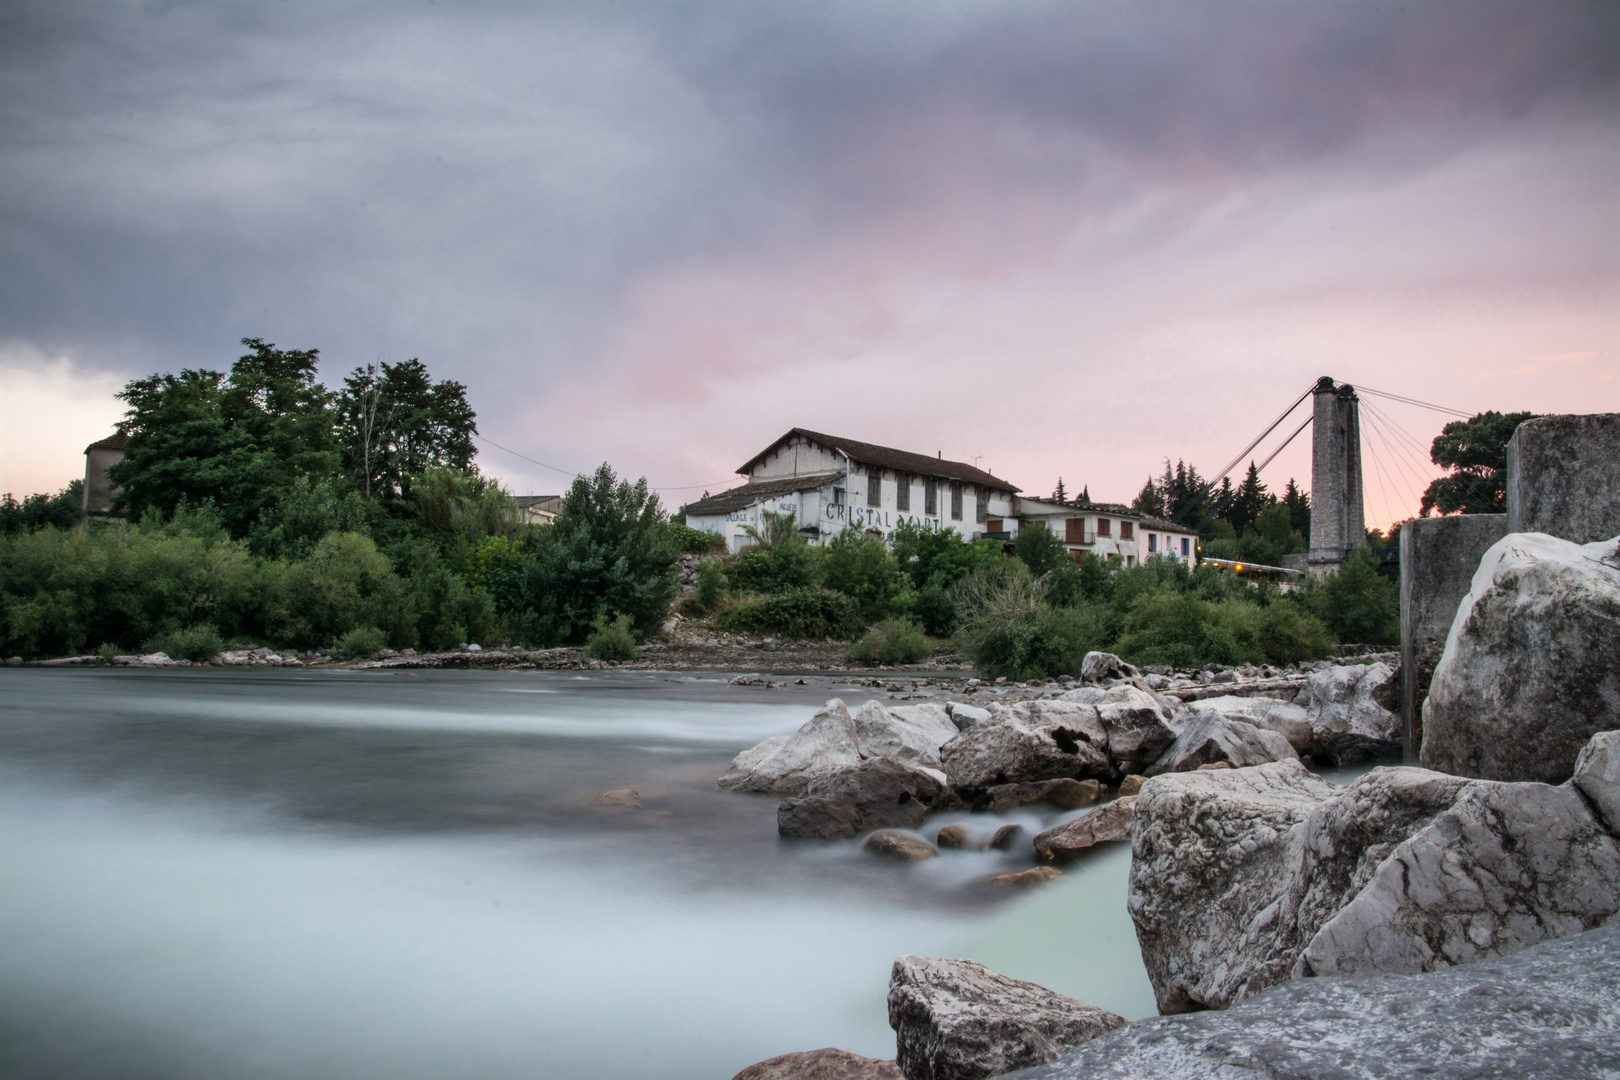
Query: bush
(611, 641)
(108, 650)
(195, 643)
(892, 641)
(1287, 634)
(795, 613)
(1358, 604)
(1008, 628)
(789, 564)
(362, 643)
(860, 565)
(711, 581)
(1186, 631)
(692, 541)
(935, 608)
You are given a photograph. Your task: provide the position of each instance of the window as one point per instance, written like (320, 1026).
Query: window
(1186, 547)
(979, 506)
(1078, 555)
(902, 491)
(930, 497)
(956, 500)
(1074, 531)
(1103, 527)
(995, 525)
(838, 496)
(1126, 530)
(1153, 542)
(874, 487)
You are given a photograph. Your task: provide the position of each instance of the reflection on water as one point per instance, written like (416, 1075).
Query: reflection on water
(401, 874)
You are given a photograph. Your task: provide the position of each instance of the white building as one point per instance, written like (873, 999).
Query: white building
(828, 482)
(1109, 531)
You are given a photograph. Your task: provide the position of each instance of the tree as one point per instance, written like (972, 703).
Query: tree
(1248, 501)
(65, 509)
(1475, 450)
(396, 423)
(1358, 604)
(860, 565)
(1299, 508)
(608, 553)
(1058, 493)
(234, 441)
(1150, 500)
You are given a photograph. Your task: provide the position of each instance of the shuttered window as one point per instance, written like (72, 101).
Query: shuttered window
(1074, 531)
(931, 497)
(1125, 530)
(979, 505)
(902, 491)
(956, 500)
(874, 487)
(1103, 527)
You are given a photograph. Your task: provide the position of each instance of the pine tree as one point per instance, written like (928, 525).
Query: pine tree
(1058, 494)
(1085, 494)
(1299, 508)
(1251, 498)
(1150, 500)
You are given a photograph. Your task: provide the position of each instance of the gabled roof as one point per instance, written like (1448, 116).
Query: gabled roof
(889, 458)
(741, 498)
(116, 441)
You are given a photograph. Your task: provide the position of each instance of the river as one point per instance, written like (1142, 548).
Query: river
(396, 874)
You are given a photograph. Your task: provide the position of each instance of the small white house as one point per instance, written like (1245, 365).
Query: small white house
(1110, 531)
(828, 483)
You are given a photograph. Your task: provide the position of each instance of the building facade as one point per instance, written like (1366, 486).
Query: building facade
(98, 458)
(829, 483)
(1109, 530)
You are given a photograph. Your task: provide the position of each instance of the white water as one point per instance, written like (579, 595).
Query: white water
(406, 875)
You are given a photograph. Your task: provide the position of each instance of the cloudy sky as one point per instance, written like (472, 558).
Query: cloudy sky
(1055, 239)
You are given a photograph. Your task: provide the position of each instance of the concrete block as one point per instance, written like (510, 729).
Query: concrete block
(1438, 558)
(1563, 477)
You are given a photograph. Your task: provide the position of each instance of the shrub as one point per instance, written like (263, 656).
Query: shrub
(611, 641)
(795, 613)
(892, 641)
(789, 564)
(362, 643)
(935, 608)
(195, 643)
(108, 650)
(1287, 634)
(711, 581)
(860, 565)
(1186, 631)
(692, 541)
(1358, 604)
(1008, 628)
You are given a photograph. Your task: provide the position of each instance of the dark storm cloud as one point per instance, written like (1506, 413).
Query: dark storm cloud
(483, 185)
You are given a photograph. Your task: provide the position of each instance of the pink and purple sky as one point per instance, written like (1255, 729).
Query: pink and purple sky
(1053, 239)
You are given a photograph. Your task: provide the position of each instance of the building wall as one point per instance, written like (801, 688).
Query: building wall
(798, 457)
(1081, 531)
(98, 492)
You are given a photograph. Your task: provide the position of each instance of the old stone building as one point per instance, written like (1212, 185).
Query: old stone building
(98, 458)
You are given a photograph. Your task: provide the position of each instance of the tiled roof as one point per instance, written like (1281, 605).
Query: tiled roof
(1162, 525)
(741, 498)
(116, 441)
(889, 458)
(532, 500)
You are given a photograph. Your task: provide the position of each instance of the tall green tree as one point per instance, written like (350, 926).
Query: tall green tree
(1299, 508)
(235, 441)
(396, 423)
(1475, 450)
(1248, 501)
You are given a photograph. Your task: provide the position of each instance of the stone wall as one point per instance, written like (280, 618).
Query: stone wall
(1563, 477)
(1438, 559)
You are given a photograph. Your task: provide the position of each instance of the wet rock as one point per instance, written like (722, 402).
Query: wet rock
(911, 734)
(1531, 669)
(1210, 738)
(1131, 785)
(958, 1020)
(1138, 726)
(1097, 666)
(1064, 793)
(1026, 742)
(1208, 852)
(966, 717)
(1107, 824)
(1023, 879)
(824, 1064)
(900, 847)
(1347, 699)
(876, 794)
(1551, 1011)
(954, 837)
(1084, 695)
(1004, 838)
(1290, 721)
(1348, 750)
(1597, 774)
(785, 764)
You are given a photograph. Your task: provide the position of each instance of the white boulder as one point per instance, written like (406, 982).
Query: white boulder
(1290, 721)
(1211, 739)
(1344, 699)
(785, 764)
(909, 734)
(1028, 741)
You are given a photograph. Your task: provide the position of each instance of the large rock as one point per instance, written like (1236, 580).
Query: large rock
(1096, 666)
(824, 1064)
(876, 794)
(1109, 823)
(1063, 793)
(785, 764)
(1531, 669)
(958, 1020)
(1025, 742)
(1210, 739)
(1552, 1012)
(966, 717)
(1508, 866)
(1290, 721)
(1563, 476)
(1597, 774)
(1208, 851)
(1138, 725)
(911, 734)
(1351, 698)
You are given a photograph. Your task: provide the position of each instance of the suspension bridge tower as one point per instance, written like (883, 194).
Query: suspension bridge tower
(1338, 517)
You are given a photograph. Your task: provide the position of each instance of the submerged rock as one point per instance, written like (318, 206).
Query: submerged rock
(1106, 824)
(1025, 742)
(900, 847)
(785, 764)
(876, 794)
(1531, 668)
(1347, 750)
(955, 837)
(1552, 1011)
(1004, 838)
(1211, 739)
(958, 1020)
(824, 1064)
(1064, 793)
(1023, 879)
